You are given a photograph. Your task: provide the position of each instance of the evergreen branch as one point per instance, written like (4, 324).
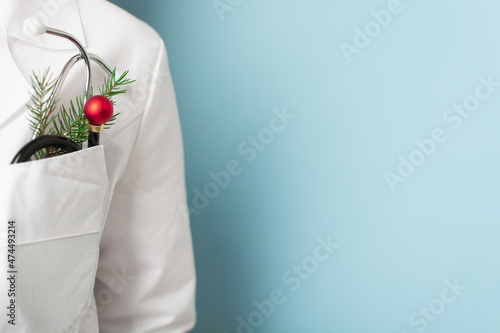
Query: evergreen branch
(112, 87)
(43, 105)
(69, 122)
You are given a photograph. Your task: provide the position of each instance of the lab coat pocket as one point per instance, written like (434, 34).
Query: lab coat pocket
(55, 211)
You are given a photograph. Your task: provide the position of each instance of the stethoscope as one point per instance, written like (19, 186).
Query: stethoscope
(36, 28)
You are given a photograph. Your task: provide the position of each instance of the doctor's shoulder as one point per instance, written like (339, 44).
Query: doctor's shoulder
(110, 19)
(118, 33)
(127, 43)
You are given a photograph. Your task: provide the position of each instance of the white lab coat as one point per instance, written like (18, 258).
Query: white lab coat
(103, 241)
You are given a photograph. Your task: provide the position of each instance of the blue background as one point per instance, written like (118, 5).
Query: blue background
(324, 174)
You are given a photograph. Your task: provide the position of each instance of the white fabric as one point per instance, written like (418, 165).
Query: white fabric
(103, 238)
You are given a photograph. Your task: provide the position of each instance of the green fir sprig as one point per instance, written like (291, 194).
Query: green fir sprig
(42, 105)
(69, 121)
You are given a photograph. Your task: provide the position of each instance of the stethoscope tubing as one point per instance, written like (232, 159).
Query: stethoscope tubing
(42, 142)
(83, 55)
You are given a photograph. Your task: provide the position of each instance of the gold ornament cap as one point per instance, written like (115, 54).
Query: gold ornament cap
(95, 128)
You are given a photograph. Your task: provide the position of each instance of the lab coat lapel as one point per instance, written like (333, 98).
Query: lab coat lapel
(14, 92)
(65, 16)
(14, 88)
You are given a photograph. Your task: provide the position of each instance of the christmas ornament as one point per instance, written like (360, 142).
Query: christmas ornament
(98, 110)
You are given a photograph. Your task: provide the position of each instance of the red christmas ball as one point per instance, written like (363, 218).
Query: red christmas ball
(98, 110)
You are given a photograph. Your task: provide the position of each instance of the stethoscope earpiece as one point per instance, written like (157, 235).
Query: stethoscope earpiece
(42, 142)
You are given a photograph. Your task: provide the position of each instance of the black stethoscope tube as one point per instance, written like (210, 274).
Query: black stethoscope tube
(44, 141)
(93, 139)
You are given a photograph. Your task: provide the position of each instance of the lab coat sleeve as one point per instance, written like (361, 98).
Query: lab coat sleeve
(146, 279)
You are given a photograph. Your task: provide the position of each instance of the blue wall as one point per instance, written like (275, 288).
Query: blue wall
(371, 203)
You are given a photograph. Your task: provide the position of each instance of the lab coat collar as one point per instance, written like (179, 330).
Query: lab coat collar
(14, 90)
(58, 14)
